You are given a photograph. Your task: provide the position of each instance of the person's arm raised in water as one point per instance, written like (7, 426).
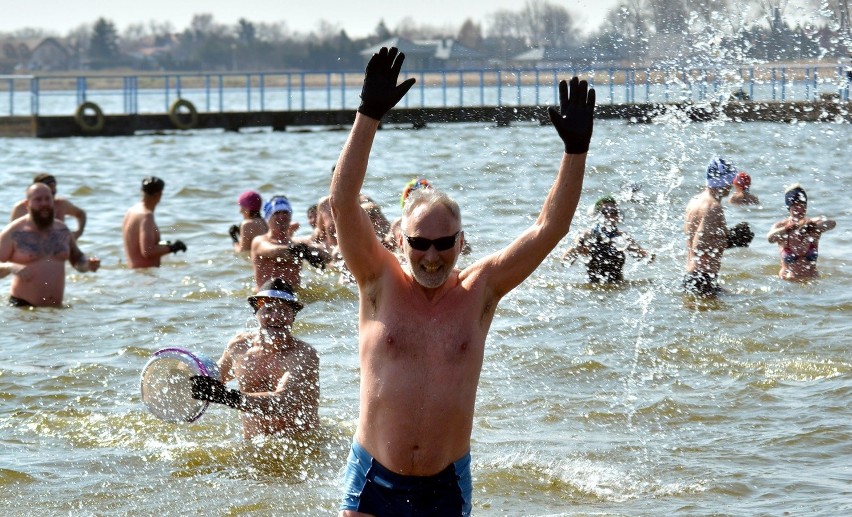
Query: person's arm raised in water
(364, 255)
(573, 122)
(77, 213)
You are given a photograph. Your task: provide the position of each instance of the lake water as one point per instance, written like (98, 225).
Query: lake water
(630, 400)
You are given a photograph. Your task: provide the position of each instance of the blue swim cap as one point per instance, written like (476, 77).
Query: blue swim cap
(720, 173)
(276, 204)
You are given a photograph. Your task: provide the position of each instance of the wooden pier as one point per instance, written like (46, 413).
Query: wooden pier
(97, 124)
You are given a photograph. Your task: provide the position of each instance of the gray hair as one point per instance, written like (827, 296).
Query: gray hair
(430, 197)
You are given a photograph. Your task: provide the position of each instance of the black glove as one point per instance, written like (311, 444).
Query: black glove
(740, 236)
(574, 120)
(176, 246)
(380, 92)
(304, 252)
(213, 390)
(234, 231)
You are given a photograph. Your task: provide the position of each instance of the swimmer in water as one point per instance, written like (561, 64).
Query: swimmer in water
(34, 249)
(798, 237)
(742, 195)
(277, 254)
(707, 236)
(62, 207)
(605, 246)
(140, 232)
(422, 325)
(277, 374)
(252, 224)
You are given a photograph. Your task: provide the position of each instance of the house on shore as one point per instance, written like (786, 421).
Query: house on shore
(435, 54)
(34, 54)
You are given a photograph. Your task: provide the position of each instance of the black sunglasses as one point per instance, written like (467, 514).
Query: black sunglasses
(441, 243)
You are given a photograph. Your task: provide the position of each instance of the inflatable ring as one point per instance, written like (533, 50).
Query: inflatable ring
(179, 119)
(85, 120)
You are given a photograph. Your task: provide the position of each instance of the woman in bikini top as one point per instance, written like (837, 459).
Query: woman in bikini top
(798, 237)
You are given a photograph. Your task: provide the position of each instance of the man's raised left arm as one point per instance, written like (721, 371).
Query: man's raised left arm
(573, 122)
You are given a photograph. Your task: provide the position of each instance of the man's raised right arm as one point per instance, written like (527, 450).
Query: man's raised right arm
(361, 251)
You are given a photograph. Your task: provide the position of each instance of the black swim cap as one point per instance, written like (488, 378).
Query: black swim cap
(153, 185)
(795, 195)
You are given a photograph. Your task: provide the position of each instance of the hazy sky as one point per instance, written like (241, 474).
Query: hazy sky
(358, 17)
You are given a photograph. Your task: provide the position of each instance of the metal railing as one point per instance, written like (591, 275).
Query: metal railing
(289, 91)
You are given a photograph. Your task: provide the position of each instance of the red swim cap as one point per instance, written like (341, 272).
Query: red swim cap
(742, 180)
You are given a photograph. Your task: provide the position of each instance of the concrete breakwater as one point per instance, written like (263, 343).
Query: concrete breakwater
(98, 124)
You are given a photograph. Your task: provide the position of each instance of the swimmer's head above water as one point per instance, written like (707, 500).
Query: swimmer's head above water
(250, 200)
(153, 185)
(720, 173)
(275, 289)
(607, 207)
(742, 180)
(795, 194)
(275, 205)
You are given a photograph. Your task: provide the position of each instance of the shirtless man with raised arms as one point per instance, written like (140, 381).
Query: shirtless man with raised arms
(423, 325)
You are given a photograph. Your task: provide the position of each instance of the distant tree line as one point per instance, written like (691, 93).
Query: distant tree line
(724, 30)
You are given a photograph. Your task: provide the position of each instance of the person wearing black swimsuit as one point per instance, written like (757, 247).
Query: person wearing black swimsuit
(604, 246)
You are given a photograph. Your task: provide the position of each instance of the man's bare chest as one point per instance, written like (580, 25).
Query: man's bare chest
(31, 246)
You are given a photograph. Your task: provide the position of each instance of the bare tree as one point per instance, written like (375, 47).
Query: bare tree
(670, 16)
(411, 29)
(275, 32)
(629, 19)
(204, 25)
(160, 29)
(134, 33)
(505, 25)
(31, 33)
(548, 24)
(771, 10)
(470, 34)
(77, 40)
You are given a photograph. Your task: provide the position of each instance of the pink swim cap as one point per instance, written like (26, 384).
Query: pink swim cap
(250, 200)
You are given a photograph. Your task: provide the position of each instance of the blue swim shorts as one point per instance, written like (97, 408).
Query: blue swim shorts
(369, 487)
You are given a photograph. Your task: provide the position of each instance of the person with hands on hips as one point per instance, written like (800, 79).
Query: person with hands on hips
(798, 236)
(142, 245)
(423, 322)
(277, 374)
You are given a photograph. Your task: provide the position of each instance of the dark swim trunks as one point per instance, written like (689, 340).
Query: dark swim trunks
(704, 284)
(19, 302)
(371, 488)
